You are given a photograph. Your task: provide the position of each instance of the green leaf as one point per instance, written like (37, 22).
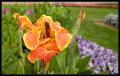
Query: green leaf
(61, 61)
(24, 57)
(66, 56)
(37, 66)
(7, 53)
(82, 63)
(10, 66)
(40, 72)
(76, 51)
(28, 67)
(20, 69)
(66, 71)
(86, 71)
(53, 66)
(74, 57)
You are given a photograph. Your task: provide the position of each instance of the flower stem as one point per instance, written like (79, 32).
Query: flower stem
(46, 67)
(20, 41)
(75, 31)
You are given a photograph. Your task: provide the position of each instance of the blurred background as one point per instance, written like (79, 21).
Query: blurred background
(86, 4)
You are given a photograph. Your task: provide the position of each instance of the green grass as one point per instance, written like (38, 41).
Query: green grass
(99, 34)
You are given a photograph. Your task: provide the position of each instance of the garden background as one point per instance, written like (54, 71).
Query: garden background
(90, 29)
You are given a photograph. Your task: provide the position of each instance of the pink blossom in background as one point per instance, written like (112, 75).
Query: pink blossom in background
(6, 10)
(29, 12)
(30, 4)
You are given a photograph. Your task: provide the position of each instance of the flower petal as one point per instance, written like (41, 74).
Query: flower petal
(63, 38)
(39, 53)
(31, 39)
(24, 22)
(56, 26)
(32, 57)
(46, 19)
(43, 54)
(41, 21)
(52, 47)
(82, 15)
(43, 41)
(46, 51)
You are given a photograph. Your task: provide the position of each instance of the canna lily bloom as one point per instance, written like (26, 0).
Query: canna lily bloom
(45, 38)
(82, 15)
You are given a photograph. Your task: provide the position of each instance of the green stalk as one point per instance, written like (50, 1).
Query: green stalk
(20, 41)
(71, 47)
(74, 33)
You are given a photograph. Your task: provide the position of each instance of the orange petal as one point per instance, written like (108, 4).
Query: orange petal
(41, 21)
(43, 54)
(55, 26)
(31, 39)
(32, 57)
(47, 50)
(23, 21)
(40, 53)
(16, 15)
(44, 19)
(63, 38)
(52, 47)
(43, 41)
(82, 15)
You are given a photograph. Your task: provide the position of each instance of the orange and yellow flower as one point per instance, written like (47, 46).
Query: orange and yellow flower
(45, 38)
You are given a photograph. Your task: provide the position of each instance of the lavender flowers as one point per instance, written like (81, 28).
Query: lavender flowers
(102, 59)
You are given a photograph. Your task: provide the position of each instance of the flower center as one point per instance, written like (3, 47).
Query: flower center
(47, 30)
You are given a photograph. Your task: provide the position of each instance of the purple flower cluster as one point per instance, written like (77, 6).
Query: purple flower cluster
(102, 59)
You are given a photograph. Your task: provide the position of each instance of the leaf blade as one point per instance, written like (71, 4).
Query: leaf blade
(20, 69)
